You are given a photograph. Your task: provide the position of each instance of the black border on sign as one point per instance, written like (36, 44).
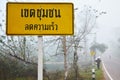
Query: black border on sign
(39, 3)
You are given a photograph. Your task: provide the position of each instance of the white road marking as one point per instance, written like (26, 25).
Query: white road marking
(107, 71)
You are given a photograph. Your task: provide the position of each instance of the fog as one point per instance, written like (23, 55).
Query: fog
(107, 26)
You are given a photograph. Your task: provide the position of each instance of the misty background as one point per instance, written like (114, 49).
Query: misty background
(103, 32)
(107, 26)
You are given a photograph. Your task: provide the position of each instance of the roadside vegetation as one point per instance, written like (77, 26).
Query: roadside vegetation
(84, 74)
(18, 61)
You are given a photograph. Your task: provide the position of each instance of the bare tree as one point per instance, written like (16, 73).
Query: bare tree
(88, 17)
(88, 22)
(16, 47)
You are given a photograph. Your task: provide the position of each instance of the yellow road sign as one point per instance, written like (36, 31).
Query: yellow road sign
(92, 53)
(39, 18)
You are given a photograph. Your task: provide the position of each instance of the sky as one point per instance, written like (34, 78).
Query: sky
(108, 25)
(110, 22)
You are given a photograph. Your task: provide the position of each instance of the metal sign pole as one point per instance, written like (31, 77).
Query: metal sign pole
(93, 68)
(40, 58)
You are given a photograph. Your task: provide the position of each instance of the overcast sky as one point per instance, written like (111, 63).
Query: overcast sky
(108, 24)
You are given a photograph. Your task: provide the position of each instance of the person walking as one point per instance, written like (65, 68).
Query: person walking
(98, 62)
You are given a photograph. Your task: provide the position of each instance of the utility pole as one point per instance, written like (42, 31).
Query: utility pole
(95, 44)
(40, 58)
(93, 60)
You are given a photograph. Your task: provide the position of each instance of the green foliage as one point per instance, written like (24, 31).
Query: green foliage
(101, 47)
(99, 74)
(26, 78)
(1, 41)
(84, 74)
(13, 69)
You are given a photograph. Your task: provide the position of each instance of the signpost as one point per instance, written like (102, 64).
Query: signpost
(40, 58)
(92, 53)
(39, 19)
(93, 65)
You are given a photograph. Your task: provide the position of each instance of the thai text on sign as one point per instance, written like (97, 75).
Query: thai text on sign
(40, 19)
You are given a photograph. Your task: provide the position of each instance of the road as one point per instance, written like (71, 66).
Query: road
(112, 65)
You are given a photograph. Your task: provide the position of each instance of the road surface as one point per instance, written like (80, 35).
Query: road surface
(112, 65)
